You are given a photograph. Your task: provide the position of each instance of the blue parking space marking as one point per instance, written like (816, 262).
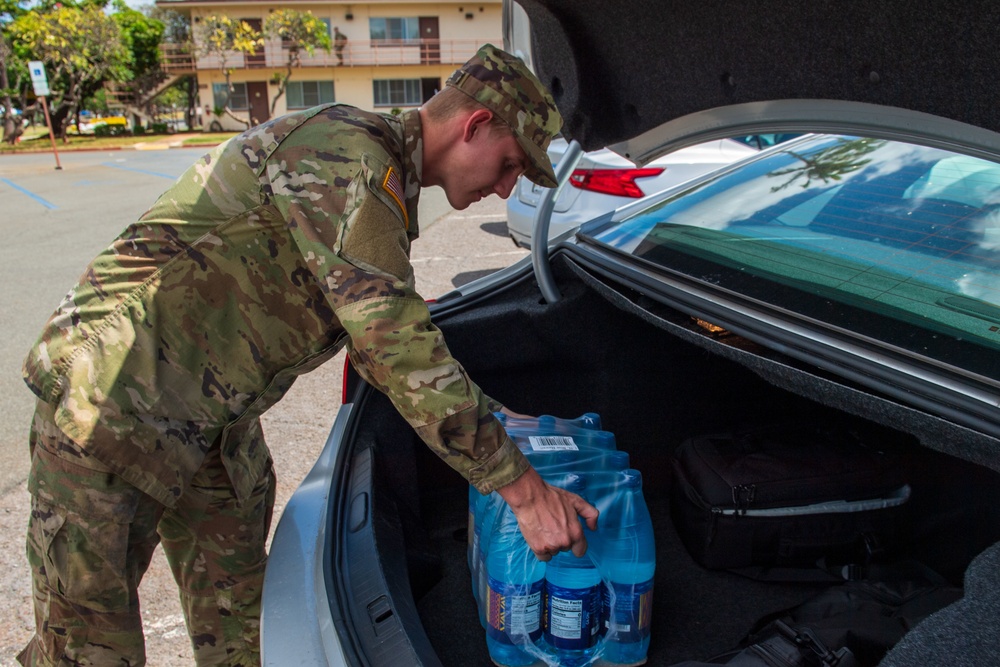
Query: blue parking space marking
(140, 171)
(43, 202)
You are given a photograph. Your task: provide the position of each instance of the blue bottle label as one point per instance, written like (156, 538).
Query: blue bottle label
(572, 616)
(514, 612)
(628, 611)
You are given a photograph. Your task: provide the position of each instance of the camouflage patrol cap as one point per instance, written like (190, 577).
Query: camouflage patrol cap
(504, 85)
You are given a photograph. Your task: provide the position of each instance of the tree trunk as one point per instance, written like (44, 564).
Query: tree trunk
(192, 102)
(229, 112)
(293, 60)
(12, 128)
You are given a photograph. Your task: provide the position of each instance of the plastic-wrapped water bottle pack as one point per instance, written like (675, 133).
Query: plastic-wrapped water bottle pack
(591, 610)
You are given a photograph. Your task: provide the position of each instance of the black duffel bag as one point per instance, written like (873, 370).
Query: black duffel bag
(775, 502)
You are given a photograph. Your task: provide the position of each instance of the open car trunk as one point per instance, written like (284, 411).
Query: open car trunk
(656, 378)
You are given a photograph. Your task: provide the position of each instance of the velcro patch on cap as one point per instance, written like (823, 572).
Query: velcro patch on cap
(394, 187)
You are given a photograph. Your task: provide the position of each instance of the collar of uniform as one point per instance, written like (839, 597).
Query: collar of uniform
(413, 165)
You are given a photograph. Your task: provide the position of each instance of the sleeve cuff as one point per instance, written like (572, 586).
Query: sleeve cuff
(504, 466)
(492, 404)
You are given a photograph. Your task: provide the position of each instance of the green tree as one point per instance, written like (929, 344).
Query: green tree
(177, 39)
(299, 32)
(82, 47)
(50, 5)
(13, 70)
(221, 37)
(142, 36)
(177, 26)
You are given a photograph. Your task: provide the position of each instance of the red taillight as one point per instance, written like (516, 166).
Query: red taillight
(344, 387)
(617, 182)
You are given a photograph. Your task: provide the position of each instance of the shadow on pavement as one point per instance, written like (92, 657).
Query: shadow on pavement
(495, 228)
(468, 276)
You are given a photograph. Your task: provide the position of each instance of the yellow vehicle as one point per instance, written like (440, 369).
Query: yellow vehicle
(115, 125)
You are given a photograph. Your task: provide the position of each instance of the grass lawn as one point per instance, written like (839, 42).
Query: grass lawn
(37, 140)
(208, 138)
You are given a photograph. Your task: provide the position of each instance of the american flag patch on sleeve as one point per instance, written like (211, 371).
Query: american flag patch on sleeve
(394, 187)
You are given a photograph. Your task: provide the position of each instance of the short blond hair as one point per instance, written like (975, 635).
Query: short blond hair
(450, 102)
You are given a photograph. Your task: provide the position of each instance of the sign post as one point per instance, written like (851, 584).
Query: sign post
(40, 82)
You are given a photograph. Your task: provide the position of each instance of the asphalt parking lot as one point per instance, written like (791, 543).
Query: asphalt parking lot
(53, 223)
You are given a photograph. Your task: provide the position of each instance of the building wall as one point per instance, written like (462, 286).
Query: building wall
(352, 83)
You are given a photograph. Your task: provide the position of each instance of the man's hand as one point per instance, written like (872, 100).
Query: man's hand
(547, 515)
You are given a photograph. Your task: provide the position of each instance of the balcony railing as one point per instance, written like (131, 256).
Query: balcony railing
(177, 58)
(274, 55)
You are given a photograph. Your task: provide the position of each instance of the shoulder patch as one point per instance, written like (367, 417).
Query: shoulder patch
(394, 187)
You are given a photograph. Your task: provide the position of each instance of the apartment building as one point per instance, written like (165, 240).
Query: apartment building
(397, 54)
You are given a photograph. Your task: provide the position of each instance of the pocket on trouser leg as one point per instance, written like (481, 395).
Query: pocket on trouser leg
(45, 647)
(84, 605)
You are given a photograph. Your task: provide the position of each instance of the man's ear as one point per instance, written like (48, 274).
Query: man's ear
(476, 122)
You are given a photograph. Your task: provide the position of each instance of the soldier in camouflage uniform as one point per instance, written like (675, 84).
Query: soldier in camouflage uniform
(270, 254)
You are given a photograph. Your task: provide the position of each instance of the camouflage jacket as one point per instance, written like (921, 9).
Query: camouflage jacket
(266, 257)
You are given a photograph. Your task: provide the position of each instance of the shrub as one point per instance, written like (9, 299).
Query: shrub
(110, 130)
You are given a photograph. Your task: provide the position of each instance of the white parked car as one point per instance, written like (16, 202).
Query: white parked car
(602, 181)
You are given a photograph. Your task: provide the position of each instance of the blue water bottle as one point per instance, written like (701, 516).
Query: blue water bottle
(626, 557)
(488, 508)
(524, 427)
(550, 424)
(472, 534)
(513, 597)
(478, 505)
(572, 620)
(552, 442)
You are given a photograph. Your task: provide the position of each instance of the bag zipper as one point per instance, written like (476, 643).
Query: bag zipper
(743, 497)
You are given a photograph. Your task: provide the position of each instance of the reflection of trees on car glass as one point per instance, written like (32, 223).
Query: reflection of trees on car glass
(829, 164)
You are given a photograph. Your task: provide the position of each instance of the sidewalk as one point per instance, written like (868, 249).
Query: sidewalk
(160, 143)
(154, 143)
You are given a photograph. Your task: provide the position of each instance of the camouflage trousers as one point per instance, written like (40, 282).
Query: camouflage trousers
(91, 536)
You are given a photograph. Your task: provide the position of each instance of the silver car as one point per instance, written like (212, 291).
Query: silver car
(850, 277)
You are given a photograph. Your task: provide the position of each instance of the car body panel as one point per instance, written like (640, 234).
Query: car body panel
(296, 582)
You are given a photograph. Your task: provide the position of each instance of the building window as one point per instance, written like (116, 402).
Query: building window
(397, 92)
(306, 94)
(237, 102)
(394, 30)
(329, 28)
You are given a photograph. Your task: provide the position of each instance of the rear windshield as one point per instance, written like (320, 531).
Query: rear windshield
(895, 242)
